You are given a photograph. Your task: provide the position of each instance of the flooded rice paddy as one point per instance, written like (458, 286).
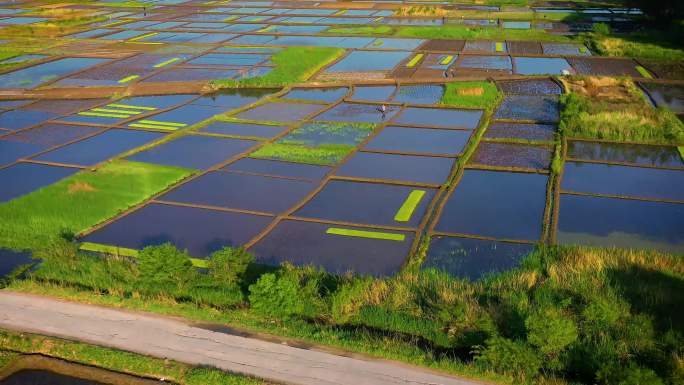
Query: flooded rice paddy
(350, 176)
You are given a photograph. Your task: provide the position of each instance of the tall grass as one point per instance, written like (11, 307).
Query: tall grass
(81, 201)
(323, 154)
(623, 116)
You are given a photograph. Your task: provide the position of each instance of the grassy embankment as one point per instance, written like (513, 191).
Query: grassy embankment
(292, 65)
(81, 201)
(567, 315)
(15, 345)
(614, 109)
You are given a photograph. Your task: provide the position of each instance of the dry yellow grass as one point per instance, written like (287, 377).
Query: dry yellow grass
(475, 91)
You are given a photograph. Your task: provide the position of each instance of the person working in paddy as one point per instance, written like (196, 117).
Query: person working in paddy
(383, 111)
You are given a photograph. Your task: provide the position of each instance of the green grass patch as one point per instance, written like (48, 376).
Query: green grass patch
(649, 44)
(324, 154)
(118, 361)
(465, 32)
(471, 94)
(292, 65)
(81, 201)
(365, 234)
(6, 358)
(644, 72)
(681, 152)
(625, 116)
(365, 30)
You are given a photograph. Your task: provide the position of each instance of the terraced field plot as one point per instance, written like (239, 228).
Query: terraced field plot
(351, 176)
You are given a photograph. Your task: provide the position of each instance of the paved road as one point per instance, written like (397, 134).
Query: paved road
(171, 338)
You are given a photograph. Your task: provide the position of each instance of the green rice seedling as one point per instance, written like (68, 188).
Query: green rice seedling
(454, 31)
(365, 30)
(324, 154)
(627, 116)
(644, 72)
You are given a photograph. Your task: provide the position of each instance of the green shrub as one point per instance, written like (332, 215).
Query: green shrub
(633, 374)
(550, 331)
(290, 292)
(165, 265)
(228, 265)
(601, 29)
(514, 358)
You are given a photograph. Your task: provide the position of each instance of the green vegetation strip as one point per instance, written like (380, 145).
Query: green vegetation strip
(475, 94)
(406, 210)
(369, 30)
(117, 361)
(154, 127)
(466, 32)
(324, 154)
(103, 115)
(292, 65)
(681, 152)
(415, 60)
(116, 105)
(144, 36)
(81, 201)
(366, 234)
(126, 252)
(128, 78)
(165, 63)
(446, 60)
(644, 72)
(160, 123)
(107, 110)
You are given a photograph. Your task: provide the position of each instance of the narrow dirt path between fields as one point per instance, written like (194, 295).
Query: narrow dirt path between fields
(174, 339)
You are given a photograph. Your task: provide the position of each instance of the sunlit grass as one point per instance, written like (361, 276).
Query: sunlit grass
(602, 108)
(80, 201)
(292, 65)
(471, 95)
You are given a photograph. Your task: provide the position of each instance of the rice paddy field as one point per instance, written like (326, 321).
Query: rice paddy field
(363, 138)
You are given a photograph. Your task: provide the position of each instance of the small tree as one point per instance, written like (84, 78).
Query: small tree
(292, 292)
(228, 265)
(165, 265)
(505, 356)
